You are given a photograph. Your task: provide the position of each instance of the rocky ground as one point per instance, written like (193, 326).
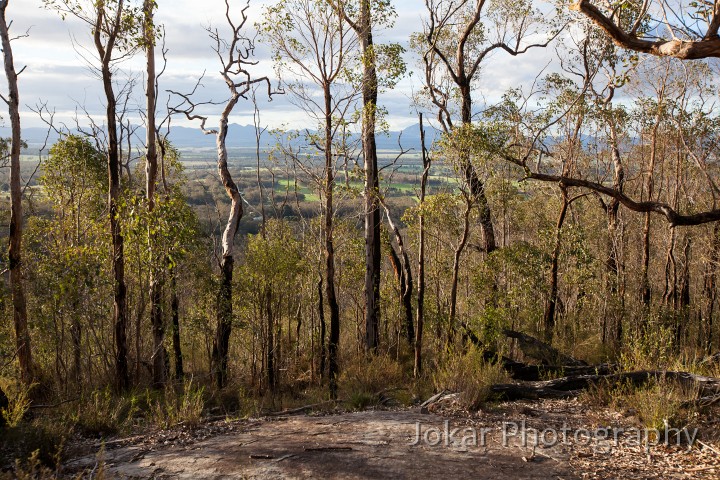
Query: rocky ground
(519, 440)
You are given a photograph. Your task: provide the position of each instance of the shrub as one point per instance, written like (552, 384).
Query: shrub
(173, 408)
(471, 376)
(363, 380)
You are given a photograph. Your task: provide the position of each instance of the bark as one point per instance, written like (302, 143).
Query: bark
(372, 182)
(334, 341)
(224, 295)
(20, 319)
(550, 307)
(151, 162)
(710, 289)
(105, 53)
(421, 256)
(403, 273)
(707, 47)
(175, 314)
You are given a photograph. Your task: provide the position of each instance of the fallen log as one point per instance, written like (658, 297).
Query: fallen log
(571, 386)
(539, 350)
(526, 372)
(554, 363)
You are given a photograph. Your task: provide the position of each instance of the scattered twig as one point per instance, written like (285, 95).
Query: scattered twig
(303, 409)
(327, 449)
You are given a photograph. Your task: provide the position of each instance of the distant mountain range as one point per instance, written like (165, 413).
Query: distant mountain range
(239, 136)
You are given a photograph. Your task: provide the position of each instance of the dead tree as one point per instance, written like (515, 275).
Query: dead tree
(235, 58)
(403, 273)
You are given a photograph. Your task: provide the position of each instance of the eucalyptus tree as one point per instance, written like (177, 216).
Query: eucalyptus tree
(19, 304)
(686, 30)
(457, 39)
(235, 57)
(114, 26)
(313, 46)
(71, 245)
(151, 169)
(382, 67)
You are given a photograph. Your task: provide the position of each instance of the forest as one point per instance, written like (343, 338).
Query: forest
(565, 232)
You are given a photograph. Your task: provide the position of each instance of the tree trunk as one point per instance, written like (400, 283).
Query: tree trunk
(372, 183)
(710, 289)
(477, 186)
(456, 269)
(105, 53)
(417, 370)
(156, 316)
(221, 343)
(682, 304)
(175, 313)
(321, 317)
(334, 341)
(20, 320)
(270, 341)
(613, 264)
(550, 307)
(645, 292)
(403, 272)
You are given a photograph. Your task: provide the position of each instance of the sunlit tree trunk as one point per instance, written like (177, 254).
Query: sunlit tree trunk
(20, 319)
(224, 295)
(156, 294)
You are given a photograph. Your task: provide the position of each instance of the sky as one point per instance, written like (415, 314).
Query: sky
(57, 75)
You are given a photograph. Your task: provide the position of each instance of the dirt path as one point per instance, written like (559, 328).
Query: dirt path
(382, 444)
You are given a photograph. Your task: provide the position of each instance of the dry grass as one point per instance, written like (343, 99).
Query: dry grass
(471, 376)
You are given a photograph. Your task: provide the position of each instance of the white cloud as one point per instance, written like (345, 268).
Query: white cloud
(57, 75)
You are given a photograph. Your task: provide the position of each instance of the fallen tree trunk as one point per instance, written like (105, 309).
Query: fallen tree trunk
(571, 386)
(524, 371)
(539, 350)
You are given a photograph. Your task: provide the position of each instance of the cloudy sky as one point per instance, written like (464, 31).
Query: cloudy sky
(57, 75)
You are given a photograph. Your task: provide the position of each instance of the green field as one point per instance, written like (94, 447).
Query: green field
(285, 184)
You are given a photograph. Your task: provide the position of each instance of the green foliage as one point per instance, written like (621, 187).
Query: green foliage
(74, 174)
(128, 29)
